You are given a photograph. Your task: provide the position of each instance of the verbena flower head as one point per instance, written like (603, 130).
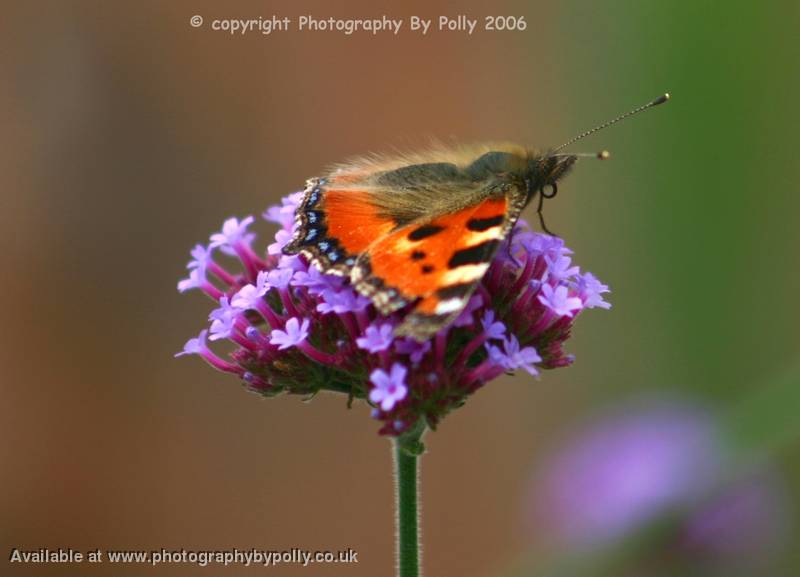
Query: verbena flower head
(296, 330)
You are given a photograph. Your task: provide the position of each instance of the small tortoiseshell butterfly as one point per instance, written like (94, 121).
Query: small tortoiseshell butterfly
(422, 229)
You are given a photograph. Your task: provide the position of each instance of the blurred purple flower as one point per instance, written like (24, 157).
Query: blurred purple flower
(625, 470)
(663, 469)
(300, 331)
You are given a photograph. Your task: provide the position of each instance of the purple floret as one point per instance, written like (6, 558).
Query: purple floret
(390, 388)
(295, 333)
(376, 338)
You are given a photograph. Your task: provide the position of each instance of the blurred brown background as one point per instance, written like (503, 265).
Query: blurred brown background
(128, 136)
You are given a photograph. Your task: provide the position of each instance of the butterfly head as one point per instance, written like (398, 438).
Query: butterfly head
(554, 167)
(545, 171)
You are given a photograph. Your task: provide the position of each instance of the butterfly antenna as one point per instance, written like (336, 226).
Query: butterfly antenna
(604, 154)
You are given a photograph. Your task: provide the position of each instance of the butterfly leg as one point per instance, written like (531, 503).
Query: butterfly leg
(509, 246)
(541, 216)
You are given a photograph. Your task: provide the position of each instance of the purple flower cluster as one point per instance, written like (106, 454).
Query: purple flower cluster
(300, 331)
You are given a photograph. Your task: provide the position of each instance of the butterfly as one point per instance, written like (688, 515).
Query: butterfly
(421, 230)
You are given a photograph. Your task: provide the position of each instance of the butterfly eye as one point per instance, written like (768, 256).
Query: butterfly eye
(549, 190)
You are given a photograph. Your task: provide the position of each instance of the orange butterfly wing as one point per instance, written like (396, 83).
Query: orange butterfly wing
(436, 264)
(336, 225)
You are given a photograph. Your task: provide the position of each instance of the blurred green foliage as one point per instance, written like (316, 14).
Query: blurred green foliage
(693, 222)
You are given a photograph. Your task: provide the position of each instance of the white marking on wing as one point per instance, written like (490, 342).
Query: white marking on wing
(449, 306)
(464, 273)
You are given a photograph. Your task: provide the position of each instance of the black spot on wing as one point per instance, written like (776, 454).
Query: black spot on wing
(474, 254)
(418, 255)
(424, 231)
(482, 224)
(427, 269)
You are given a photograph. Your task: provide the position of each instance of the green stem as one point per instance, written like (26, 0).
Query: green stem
(407, 450)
